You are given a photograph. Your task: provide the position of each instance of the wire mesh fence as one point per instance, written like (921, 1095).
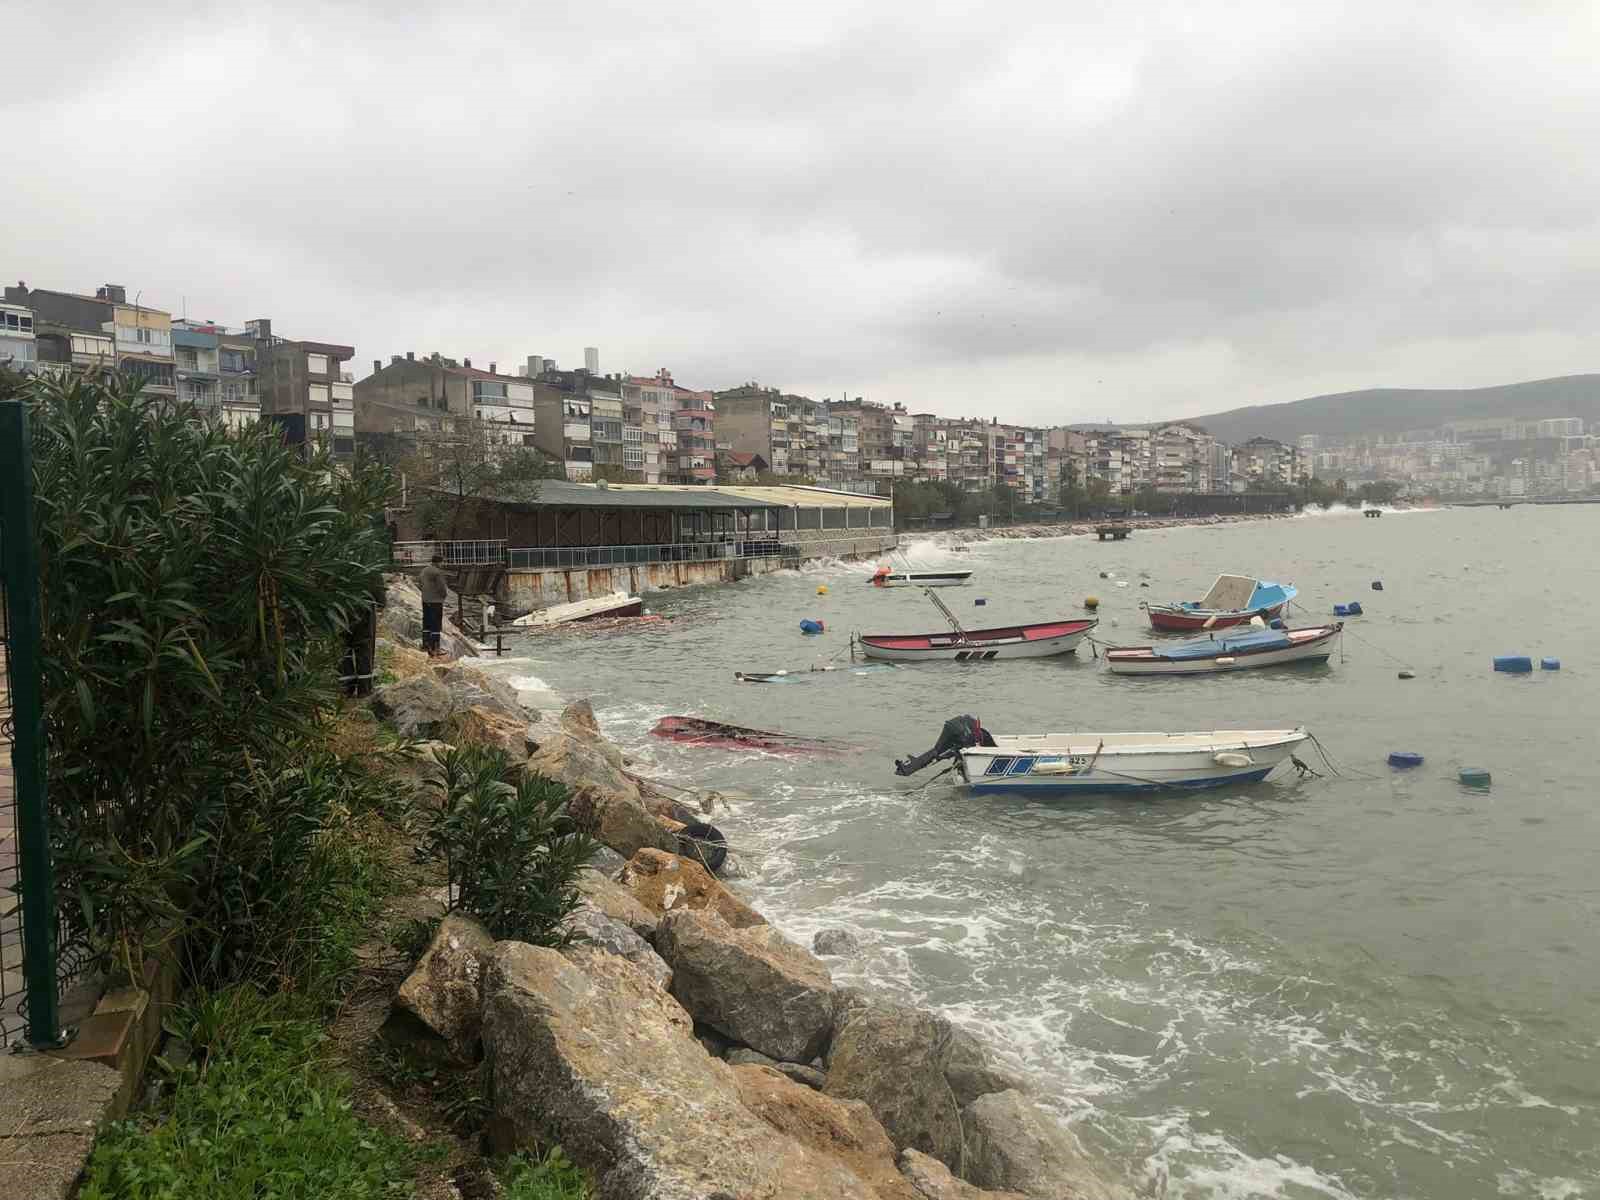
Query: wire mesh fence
(31, 969)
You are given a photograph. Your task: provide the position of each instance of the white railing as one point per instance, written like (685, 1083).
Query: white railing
(483, 552)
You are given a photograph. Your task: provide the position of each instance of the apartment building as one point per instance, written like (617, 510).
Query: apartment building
(790, 432)
(563, 428)
(73, 331)
(19, 349)
(650, 402)
(303, 386)
(437, 395)
(1181, 459)
(1268, 462)
(694, 420)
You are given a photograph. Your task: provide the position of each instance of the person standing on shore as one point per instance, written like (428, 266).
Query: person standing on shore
(435, 588)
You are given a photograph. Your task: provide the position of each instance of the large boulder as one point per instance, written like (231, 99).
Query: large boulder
(401, 661)
(578, 720)
(752, 984)
(1010, 1144)
(471, 686)
(604, 801)
(932, 1180)
(599, 1060)
(972, 1071)
(617, 902)
(589, 926)
(665, 883)
(492, 728)
(836, 943)
(417, 707)
(893, 1057)
(442, 994)
(841, 1129)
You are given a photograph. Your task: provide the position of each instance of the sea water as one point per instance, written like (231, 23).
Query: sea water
(1377, 983)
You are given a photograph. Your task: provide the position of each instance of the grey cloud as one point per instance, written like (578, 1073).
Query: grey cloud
(1203, 204)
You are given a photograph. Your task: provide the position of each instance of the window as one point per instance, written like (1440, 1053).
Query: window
(11, 320)
(319, 420)
(483, 389)
(317, 364)
(188, 358)
(147, 336)
(231, 360)
(319, 393)
(27, 324)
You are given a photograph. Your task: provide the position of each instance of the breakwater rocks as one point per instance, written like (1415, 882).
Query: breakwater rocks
(960, 537)
(681, 1048)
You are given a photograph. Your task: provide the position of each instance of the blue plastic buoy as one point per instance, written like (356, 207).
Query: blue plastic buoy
(1549, 664)
(1405, 758)
(1513, 664)
(809, 626)
(1341, 610)
(1377, 585)
(1354, 608)
(979, 602)
(1474, 777)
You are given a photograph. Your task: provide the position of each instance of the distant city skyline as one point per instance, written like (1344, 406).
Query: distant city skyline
(1046, 214)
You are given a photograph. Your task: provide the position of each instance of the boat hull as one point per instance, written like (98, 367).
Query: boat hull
(979, 645)
(618, 604)
(1149, 660)
(1171, 618)
(923, 579)
(1060, 764)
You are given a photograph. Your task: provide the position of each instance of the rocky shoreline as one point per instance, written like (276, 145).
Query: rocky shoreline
(681, 1048)
(959, 537)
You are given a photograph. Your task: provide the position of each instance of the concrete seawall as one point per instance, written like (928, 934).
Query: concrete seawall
(528, 589)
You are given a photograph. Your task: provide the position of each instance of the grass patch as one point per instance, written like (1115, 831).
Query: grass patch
(258, 1112)
(547, 1177)
(456, 1093)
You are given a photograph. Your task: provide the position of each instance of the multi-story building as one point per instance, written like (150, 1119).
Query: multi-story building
(564, 429)
(438, 396)
(103, 330)
(784, 430)
(650, 403)
(303, 385)
(842, 459)
(1180, 459)
(694, 424)
(196, 365)
(614, 453)
(19, 349)
(1066, 460)
(1267, 462)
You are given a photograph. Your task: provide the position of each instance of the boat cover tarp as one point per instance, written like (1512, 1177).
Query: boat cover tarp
(1270, 595)
(1231, 643)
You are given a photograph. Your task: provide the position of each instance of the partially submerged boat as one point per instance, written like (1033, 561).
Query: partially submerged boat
(1038, 639)
(1057, 763)
(699, 731)
(1232, 600)
(885, 577)
(615, 604)
(1238, 650)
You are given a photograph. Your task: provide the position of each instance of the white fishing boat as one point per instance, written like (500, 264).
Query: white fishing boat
(615, 604)
(1229, 650)
(884, 577)
(1055, 763)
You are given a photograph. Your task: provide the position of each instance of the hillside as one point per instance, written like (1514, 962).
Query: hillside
(1395, 410)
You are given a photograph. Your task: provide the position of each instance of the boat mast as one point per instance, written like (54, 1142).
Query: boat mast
(948, 615)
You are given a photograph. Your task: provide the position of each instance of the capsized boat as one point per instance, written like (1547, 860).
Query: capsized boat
(1058, 763)
(701, 732)
(885, 577)
(1232, 600)
(614, 604)
(1236, 650)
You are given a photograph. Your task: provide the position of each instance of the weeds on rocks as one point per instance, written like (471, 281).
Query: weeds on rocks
(544, 1177)
(512, 851)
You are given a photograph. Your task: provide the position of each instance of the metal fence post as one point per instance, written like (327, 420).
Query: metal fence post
(20, 565)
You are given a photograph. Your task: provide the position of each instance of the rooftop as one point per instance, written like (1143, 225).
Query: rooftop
(558, 493)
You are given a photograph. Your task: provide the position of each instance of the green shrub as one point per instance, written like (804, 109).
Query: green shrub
(258, 1114)
(194, 584)
(508, 844)
(544, 1177)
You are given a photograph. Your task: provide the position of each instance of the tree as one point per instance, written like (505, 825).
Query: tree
(451, 470)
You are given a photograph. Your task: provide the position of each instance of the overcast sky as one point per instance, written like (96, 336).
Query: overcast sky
(1047, 212)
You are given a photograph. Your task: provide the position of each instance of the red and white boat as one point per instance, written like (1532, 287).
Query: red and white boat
(699, 731)
(1232, 600)
(1037, 640)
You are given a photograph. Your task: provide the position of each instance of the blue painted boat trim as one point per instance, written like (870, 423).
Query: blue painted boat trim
(1014, 789)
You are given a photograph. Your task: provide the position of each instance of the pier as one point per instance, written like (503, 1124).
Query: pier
(1115, 533)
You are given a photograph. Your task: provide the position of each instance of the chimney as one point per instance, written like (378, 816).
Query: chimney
(411, 356)
(494, 368)
(467, 362)
(114, 292)
(377, 365)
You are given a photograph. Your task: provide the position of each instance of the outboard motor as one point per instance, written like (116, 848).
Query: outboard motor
(957, 735)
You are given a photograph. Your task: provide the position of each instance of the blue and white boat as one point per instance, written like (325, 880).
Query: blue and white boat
(1057, 763)
(1237, 649)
